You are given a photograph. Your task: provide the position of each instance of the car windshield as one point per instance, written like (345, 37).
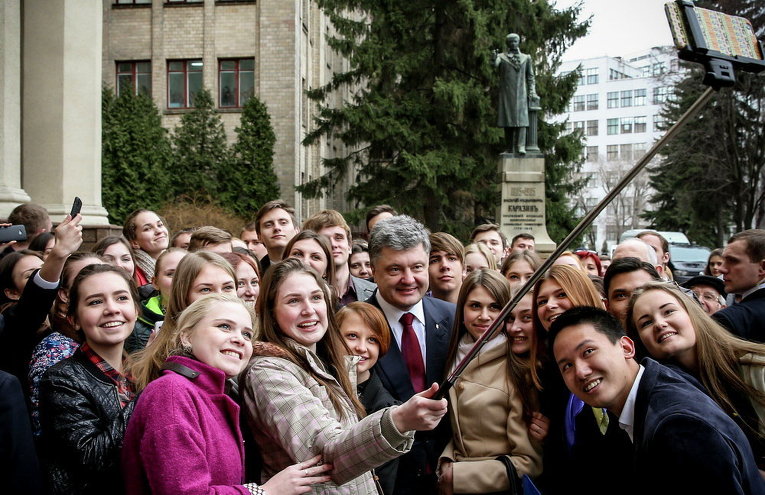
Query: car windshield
(688, 253)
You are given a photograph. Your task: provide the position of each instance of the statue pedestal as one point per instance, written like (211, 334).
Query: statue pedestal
(522, 208)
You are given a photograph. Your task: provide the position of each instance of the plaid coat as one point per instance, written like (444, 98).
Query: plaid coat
(292, 420)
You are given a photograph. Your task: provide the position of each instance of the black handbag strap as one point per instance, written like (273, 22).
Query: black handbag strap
(180, 369)
(516, 488)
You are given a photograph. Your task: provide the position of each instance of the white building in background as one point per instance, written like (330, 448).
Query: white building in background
(617, 107)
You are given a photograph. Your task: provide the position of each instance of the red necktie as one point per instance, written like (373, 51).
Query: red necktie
(410, 348)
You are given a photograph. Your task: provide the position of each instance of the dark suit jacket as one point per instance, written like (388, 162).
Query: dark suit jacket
(417, 468)
(19, 470)
(745, 318)
(18, 329)
(684, 442)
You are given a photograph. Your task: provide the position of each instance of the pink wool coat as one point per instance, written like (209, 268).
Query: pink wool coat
(184, 436)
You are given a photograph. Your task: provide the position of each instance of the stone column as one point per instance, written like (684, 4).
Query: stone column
(11, 192)
(523, 200)
(61, 125)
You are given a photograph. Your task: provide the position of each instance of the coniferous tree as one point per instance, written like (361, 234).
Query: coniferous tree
(135, 154)
(250, 181)
(421, 123)
(200, 150)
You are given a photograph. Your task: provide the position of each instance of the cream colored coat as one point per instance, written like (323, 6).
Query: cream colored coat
(487, 421)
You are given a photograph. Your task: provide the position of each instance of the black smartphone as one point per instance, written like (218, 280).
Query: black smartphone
(76, 205)
(13, 233)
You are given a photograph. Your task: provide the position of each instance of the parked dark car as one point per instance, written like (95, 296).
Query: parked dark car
(688, 260)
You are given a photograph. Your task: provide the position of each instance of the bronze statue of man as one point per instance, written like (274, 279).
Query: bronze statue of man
(516, 88)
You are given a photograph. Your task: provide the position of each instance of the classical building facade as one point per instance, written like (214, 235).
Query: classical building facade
(50, 106)
(617, 108)
(275, 49)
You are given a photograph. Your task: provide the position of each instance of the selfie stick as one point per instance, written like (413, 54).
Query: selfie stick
(499, 321)
(717, 41)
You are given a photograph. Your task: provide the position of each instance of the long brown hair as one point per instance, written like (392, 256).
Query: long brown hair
(717, 351)
(331, 348)
(517, 371)
(329, 275)
(187, 271)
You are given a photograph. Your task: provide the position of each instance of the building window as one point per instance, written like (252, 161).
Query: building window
(640, 98)
(625, 152)
(134, 77)
(592, 127)
(579, 125)
(184, 1)
(612, 152)
(613, 126)
(626, 125)
(590, 76)
(569, 127)
(579, 103)
(236, 81)
(660, 95)
(640, 124)
(592, 153)
(615, 75)
(658, 68)
(132, 2)
(658, 123)
(184, 80)
(592, 101)
(613, 99)
(638, 150)
(626, 98)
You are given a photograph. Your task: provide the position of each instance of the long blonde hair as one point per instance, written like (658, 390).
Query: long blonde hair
(146, 365)
(717, 350)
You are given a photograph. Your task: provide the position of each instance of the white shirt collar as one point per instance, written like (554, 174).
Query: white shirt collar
(757, 287)
(627, 417)
(394, 314)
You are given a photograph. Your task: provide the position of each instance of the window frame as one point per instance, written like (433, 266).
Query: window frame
(188, 104)
(237, 71)
(133, 75)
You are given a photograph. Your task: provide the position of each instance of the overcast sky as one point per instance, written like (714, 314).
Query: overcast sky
(619, 27)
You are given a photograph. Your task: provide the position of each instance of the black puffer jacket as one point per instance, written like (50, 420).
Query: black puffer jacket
(83, 427)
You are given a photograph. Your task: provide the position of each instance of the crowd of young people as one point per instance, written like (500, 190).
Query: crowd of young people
(293, 359)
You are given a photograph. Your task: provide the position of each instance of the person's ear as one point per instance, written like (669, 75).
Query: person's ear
(628, 347)
(12, 294)
(63, 294)
(761, 271)
(134, 245)
(660, 270)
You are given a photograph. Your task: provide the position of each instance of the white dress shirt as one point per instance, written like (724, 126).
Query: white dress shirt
(627, 417)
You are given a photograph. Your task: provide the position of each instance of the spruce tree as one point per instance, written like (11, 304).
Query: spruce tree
(421, 123)
(135, 154)
(250, 181)
(200, 151)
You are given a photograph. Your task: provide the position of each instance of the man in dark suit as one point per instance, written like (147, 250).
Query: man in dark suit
(683, 442)
(743, 271)
(398, 249)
